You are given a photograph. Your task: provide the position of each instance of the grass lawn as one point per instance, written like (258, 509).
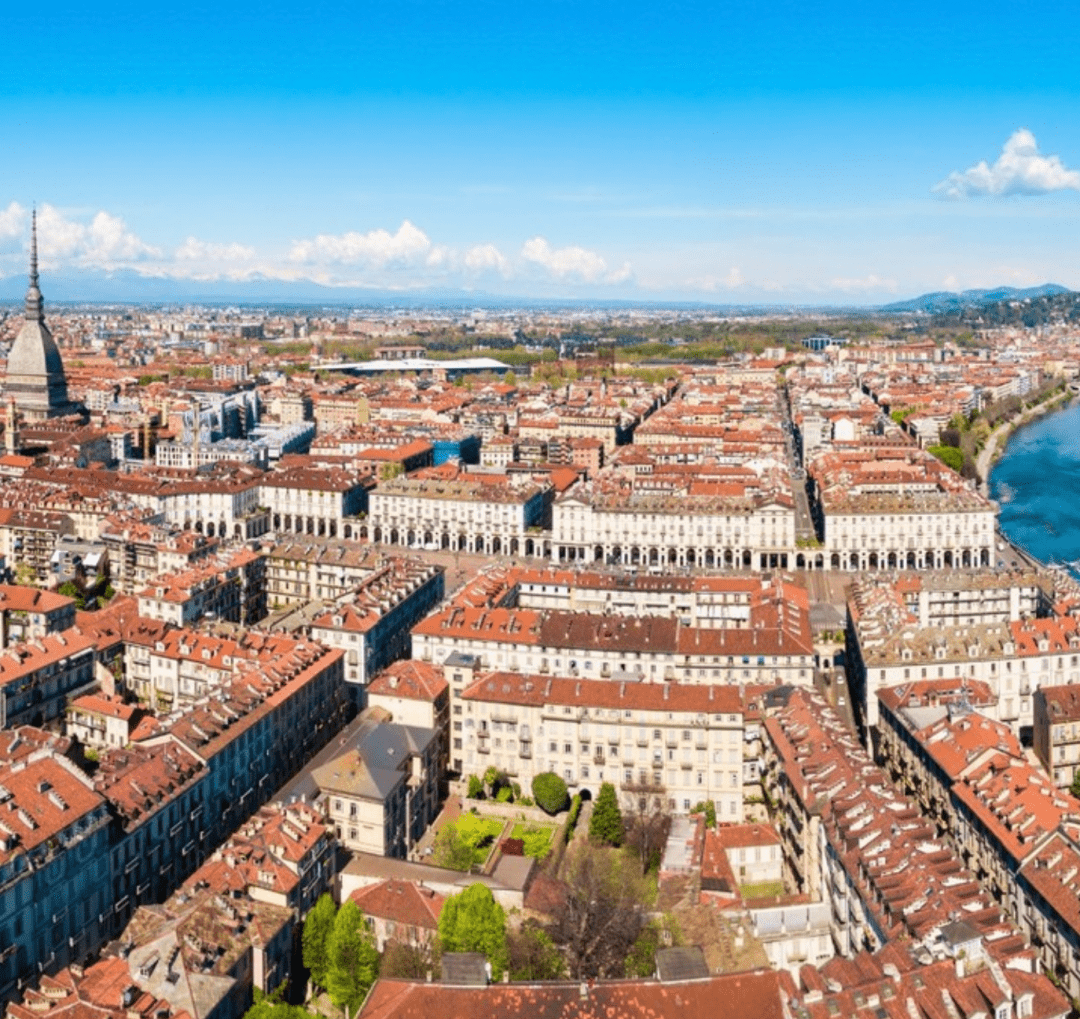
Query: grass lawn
(481, 832)
(537, 837)
(762, 890)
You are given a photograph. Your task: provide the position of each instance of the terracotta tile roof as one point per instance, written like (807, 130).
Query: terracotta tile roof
(410, 678)
(515, 688)
(758, 994)
(40, 799)
(401, 901)
(736, 836)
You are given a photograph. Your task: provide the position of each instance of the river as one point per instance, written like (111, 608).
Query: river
(1037, 483)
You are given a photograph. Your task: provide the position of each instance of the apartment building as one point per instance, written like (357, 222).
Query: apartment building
(417, 694)
(897, 507)
(372, 625)
(28, 539)
(737, 522)
(159, 831)
(206, 955)
(773, 644)
(685, 743)
(888, 645)
(38, 676)
(305, 570)
(314, 501)
(1008, 822)
(401, 911)
(853, 840)
(230, 587)
(727, 602)
(494, 514)
(221, 502)
(98, 720)
(1056, 732)
(54, 867)
(27, 613)
(283, 855)
(139, 550)
(382, 793)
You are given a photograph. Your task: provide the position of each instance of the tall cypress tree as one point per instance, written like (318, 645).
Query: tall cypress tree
(352, 958)
(606, 824)
(317, 928)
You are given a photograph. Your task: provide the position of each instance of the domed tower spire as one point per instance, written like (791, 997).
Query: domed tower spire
(34, 302)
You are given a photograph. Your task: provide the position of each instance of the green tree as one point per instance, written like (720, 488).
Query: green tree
(69, 589)
(270, 1006)
(606, 823)
(476, 788)
(389, 471)
(451, 850)
(641, 959)
(407, 962)
(601, 914)
(708, 808)
(352, 959)
(950, 456)
(472, 921)
(549, 791)
(317, 928)
(533, 955)
(1075, 787)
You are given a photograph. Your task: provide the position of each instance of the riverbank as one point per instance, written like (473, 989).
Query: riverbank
(999, 437)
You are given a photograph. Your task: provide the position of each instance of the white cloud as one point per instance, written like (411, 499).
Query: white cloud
(864, 284)
(1019, 170)
(439, 256)
(109, 240)
(563, 262)
(12, 220)
(58, 237)
(194, 250)
(485, 256)
(403, 259)
(103, 243)
(375, 249)
(732, 281)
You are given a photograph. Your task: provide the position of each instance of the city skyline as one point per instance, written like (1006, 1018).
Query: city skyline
(718, 154)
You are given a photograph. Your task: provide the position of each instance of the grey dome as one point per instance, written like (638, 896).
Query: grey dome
(35, 370)
(34, 351)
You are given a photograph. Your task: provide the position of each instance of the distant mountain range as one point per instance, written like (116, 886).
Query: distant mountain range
(127, 287)
(122, 287)
(945, 302)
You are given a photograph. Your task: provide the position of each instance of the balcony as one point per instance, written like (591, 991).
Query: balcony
(525, 750)
(598, 757)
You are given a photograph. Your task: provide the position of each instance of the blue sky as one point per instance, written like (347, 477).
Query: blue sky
(784, 152)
